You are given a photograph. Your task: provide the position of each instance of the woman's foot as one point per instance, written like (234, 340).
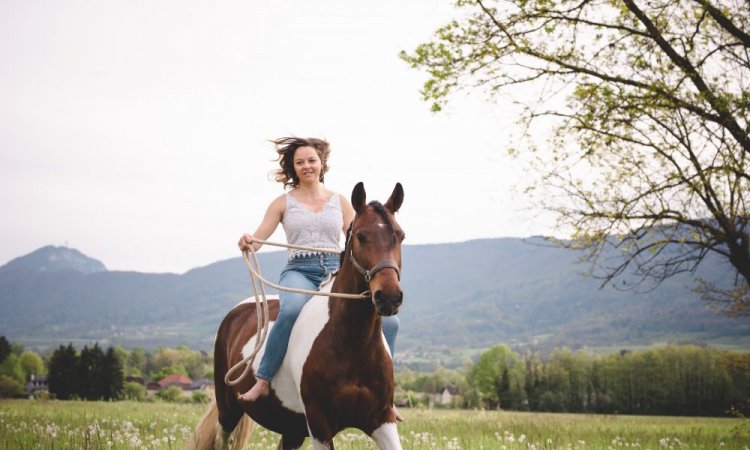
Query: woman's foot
(261, 389)
(398, 416)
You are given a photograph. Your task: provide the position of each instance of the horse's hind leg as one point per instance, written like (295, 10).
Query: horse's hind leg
(290, 442)
(229, 418)
(233, 421)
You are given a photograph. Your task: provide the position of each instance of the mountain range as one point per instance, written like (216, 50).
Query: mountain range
(459, 298)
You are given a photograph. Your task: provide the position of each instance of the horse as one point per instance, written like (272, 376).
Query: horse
(337, 372)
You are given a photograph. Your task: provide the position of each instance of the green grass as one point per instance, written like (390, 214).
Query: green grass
(127, 425)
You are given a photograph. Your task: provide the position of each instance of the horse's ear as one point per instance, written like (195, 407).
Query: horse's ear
(395, 200)
(359, 197)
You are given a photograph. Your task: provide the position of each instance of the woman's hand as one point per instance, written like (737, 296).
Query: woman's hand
(245, 242)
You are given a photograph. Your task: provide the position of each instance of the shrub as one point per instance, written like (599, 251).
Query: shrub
(134, 391)
(199, 397)
(171, 394)
(10, 388)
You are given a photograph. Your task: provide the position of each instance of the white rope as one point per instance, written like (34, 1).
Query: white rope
(261, 303)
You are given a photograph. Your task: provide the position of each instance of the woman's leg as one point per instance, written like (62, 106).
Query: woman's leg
(291, 304)
(390, 329)
(278, 338)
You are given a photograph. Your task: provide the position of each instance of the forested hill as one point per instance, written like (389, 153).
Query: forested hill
(51, 259)
(463, 295)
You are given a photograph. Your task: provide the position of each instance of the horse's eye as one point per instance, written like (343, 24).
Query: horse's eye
(360, 237)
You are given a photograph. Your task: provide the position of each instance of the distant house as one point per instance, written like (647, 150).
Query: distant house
(187, 385)
(139, 380)
(178, 380)
(152, 387)
(202, 384)
(445, 397)
(36, 384)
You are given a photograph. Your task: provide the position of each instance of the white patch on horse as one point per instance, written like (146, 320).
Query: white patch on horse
(252, 300)
(286, 383)
(248, 348)
(386, 437)
(250, 345)
(381, 225)
(385, 344)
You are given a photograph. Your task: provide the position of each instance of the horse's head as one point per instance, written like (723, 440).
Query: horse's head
(374, 247)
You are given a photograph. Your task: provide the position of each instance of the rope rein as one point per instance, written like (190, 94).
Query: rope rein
(261, 307)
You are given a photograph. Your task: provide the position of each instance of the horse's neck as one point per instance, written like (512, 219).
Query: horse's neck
(356, 320)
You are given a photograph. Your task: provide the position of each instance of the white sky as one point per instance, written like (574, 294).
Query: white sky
(136, 131)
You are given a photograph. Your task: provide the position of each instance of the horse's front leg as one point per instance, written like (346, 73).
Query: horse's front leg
(386, 437)
(320, 429)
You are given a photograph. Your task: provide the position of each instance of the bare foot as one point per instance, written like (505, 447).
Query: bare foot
(398, 416)
(261, 389)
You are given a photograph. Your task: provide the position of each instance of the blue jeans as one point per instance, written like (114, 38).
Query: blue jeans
(305, 272)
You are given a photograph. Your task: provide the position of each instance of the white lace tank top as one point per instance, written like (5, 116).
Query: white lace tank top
(320, 229)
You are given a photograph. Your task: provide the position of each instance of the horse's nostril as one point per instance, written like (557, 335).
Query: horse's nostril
(393, 300)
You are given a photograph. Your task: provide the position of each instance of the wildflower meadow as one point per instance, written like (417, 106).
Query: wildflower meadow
(77, 425)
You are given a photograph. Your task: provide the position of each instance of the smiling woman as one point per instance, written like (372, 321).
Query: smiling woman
(310, 160)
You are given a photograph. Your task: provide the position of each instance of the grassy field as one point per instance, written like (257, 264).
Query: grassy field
(60, 425)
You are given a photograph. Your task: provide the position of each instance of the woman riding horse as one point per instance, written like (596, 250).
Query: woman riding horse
(311, 216)
(337, 372)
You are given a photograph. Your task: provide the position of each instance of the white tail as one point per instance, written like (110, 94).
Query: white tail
(208, 434)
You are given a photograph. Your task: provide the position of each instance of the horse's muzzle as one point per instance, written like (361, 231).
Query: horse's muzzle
(387, 304)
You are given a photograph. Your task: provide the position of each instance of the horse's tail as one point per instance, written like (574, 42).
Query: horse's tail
(242, 432)
(208, 434)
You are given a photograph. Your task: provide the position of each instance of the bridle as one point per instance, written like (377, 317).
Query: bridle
(369, 273)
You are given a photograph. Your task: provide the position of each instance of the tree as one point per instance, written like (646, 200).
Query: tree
(498, 376)
(4, 349)
(650, 150)
(31, 364)
(100, 374)
(11, 367)
(10, 387)
(180, 360)
(91, 382)
(63, 373)
(136, 362)
(111, 375)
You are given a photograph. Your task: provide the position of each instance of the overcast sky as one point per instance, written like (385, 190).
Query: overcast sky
(136, 131)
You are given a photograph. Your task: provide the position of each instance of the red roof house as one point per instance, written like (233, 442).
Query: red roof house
(176, 380)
